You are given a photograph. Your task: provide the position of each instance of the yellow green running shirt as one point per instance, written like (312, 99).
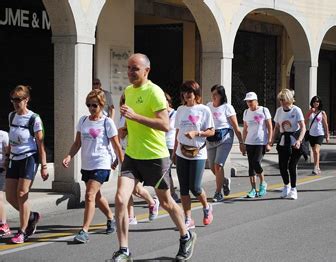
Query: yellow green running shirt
(145, 142)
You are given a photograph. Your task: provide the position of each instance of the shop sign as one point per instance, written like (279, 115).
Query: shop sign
(24, 18)
(118, 69)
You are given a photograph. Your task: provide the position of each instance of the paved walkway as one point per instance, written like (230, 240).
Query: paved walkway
(46, 201)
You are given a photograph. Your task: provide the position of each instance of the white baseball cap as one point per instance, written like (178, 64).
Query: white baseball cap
(251, 96)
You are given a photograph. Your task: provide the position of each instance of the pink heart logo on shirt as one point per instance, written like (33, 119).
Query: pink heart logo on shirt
(258, 118)
(318, 119)
(193, 119)
(94, 132)
(217, 115)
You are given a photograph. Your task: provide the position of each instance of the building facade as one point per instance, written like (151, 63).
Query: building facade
(57, 47)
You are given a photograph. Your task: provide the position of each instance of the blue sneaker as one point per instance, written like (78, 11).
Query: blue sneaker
(262, 189)
(81, 237)
(252, 193)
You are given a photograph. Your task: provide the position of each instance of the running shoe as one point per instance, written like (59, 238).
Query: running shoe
(218, 197)
(262, 189)
(111, 226)
(252, 193)
(132, 221)
(82, 237)
(186, 247)
(293, 194)
(316, 171)
(4, 230)
(154, 209)
(176, 197)
(190, 223)
(120, 256)
(285, 191)
(227, 186)
(19, 238)
(208, 216)
(32, 224)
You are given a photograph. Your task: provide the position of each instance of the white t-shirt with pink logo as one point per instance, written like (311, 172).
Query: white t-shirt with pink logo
(316, 129)
(194, 118)
(221, 115)
(95, 138)
(256, 126)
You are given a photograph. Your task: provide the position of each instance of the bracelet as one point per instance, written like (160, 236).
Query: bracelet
(45, 166)
(199, 133)
(241, 143)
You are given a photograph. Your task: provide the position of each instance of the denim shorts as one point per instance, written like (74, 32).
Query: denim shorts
(99, 175)
(25, 168)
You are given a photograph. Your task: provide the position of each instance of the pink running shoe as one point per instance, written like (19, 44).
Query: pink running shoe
(4, 230)
(190, 223)
(208, 217)
(19, 238)
(154, 209)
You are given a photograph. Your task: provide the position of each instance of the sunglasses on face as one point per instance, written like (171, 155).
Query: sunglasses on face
(92, 105)
(316, 101)
(95, 83)
(17, 99)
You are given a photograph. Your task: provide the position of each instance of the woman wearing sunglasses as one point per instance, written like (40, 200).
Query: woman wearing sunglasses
(318, 130)
(94, 134)
(26, 148)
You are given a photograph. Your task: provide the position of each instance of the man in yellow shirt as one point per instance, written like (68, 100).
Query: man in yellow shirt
(147, 156)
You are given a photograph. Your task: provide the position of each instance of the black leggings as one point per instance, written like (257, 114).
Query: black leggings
(288, 160)
(190, 174)
(255, 154)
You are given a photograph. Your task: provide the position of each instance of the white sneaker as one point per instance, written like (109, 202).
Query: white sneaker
(293, 194)
(285, 191)
(132, 221)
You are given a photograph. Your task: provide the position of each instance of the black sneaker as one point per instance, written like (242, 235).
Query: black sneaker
(111, 226)
(186, 247)
(120, 256)
(32, 224)
(227, 186)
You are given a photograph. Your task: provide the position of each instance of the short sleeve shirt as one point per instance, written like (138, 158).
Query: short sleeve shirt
(145, 142)
(221, 115)
(194, 118)
(95, 138)
(4, 142)
(256, 126)
(20, 139)
(288, 121)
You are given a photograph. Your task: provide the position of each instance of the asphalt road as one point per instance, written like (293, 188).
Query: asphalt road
(265, 229)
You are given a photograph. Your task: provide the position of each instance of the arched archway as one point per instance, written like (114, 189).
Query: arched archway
(326, 74)
(73, 25)
(299, 46)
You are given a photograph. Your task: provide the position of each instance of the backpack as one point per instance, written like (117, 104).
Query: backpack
(30, 127)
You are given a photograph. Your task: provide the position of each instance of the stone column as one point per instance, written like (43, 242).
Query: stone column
(227, 75)
(73, 77)
(303, 87)
(211, 73)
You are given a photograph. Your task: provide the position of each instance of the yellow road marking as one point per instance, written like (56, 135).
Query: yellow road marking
(53, 236)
